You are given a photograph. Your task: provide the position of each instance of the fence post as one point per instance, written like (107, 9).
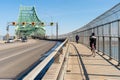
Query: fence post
(98, 37)
(118, 42)
(110, 49)
(118, 51)
(103, 40)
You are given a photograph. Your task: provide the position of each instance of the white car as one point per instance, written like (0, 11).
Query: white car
(10, 41)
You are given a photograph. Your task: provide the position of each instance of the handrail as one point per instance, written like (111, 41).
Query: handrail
(38, 69)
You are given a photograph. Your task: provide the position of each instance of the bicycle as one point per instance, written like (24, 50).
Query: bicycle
(93, 50)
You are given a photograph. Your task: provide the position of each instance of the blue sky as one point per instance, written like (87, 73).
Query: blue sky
(70, 14)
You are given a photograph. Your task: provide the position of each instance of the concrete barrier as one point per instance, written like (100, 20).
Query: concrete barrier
(38, 69)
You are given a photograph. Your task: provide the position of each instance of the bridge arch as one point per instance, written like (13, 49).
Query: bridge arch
(28, 23)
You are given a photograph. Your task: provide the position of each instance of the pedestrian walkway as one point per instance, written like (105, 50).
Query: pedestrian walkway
(93, 68)
(77, 63)
(74, 69)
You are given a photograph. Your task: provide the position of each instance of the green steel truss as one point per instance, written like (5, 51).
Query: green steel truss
(28, 23)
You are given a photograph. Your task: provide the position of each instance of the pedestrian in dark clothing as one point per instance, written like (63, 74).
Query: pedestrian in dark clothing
(77, 38)
(92, 40)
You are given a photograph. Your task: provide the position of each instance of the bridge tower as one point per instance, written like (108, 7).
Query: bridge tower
(28, 23)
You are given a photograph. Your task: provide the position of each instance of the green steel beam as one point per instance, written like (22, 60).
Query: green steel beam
(28, 15)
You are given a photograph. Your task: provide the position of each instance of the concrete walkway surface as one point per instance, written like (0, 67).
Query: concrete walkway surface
(93, 68)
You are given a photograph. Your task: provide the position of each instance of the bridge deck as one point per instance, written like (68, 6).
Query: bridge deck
(17, 59)
(87, 67)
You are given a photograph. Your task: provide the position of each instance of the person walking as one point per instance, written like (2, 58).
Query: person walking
(77, 38)
(92, 40)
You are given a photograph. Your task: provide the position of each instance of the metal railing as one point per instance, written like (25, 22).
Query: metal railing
(32, 75)
(107, 30)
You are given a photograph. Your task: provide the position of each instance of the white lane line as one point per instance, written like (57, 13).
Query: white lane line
(18, 53)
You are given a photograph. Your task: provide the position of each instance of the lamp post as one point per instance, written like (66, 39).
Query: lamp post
(7, 29)
(7, 35)
(56, 30)
(56, 24)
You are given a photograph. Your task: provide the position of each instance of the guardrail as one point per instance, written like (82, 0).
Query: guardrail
(32, 75)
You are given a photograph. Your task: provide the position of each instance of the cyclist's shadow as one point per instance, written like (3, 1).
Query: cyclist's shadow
(86, 55)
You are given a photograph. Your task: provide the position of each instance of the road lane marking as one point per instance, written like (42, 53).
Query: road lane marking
(22, 52)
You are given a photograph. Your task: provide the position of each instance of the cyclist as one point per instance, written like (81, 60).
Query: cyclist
(77, 38)
(93, 43)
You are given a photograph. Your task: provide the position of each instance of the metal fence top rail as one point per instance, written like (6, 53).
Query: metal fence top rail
(110, 15)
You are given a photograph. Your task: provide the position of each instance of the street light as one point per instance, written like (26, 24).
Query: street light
(23, 23)
(13, 23)
(51, 24)
(42, 24)
(56, 24)
(33, 23)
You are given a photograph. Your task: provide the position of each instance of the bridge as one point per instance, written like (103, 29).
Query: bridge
(63, 58)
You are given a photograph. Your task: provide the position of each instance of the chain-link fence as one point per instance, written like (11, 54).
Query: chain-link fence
(107, 30)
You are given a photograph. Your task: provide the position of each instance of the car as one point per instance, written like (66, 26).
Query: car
(10, 41)
(24, 39)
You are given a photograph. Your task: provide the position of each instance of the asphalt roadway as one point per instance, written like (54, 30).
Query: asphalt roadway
(16, 60)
